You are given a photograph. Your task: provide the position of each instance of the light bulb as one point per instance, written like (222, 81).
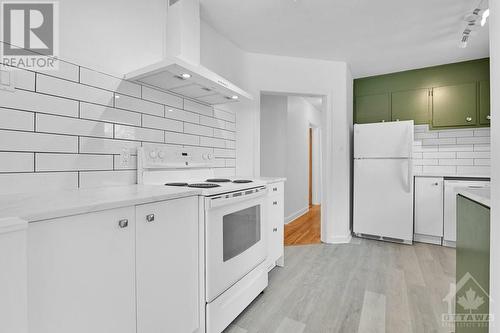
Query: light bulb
(486, 13)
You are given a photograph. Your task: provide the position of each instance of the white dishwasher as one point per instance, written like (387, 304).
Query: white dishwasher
(451, 187)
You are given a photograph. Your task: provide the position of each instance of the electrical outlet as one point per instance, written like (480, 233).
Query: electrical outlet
(125, 157)
(6, 79)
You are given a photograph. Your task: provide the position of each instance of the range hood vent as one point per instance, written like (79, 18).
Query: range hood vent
(180, 71)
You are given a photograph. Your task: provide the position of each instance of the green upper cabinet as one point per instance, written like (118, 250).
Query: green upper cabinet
(372, 109)
(484, 102)
(454, 105)
(461, 96)
(411, 105)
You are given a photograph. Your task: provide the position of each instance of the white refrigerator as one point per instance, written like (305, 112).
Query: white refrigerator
(383, 181)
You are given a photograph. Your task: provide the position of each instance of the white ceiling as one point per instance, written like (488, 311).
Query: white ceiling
(373, 36)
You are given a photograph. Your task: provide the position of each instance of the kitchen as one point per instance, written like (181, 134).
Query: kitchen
(86, 148)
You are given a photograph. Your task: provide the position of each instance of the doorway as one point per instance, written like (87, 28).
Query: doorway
(291, 148)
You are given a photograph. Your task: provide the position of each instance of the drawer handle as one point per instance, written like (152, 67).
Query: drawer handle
(435, 184)
(275, 229)
(275, 203)
(123, 223)
(150, 217)
(488, 117)
(275, 189)
(469, 119)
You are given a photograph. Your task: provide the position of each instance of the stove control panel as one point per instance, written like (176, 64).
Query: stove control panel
(175, 157)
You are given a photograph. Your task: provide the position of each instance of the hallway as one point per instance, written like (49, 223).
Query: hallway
(305, 229)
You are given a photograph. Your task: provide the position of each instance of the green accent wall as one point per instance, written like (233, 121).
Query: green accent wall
(473, 257)
(447, 96)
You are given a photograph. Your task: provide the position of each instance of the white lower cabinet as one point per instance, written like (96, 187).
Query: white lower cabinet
(276, 224)
(428, 209)
(128, 270)
(168, 266)
(81, 273)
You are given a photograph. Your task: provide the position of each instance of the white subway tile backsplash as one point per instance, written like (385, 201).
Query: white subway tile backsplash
(474, 140)
(37, 182)
(58, 87)
(78, 127)
(212, 142)
(455, 134)
(108, 82)
(72, 126)
(138, 105)
(212, 122)
(220, 114)
(452, 161)
(161, 97)
(16, 162)
(107, 178)
(109, 114)
(198, 129)
(16, 120)
(198, 108)
(138, 133)
(473, 170)
(29, 141)
(65, 70)
(181, 139)
(162, 123)
(218, 133)
(72, 162)
(177, 114)
(456, 151)
(107, 146)
(31, 101)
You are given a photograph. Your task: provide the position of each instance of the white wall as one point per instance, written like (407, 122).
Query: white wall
(495, 160)
(273, 127)
(113, 36)
(299, 117)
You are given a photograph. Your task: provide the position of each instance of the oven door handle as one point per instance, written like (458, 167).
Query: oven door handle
(222, 200)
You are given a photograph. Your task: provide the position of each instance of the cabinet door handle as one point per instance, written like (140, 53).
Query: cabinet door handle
(469, 119)
(275, 189)
(150, 217)
(436, 184)
(275, 203)
(275, 229)
(123, 223)
(488, 117)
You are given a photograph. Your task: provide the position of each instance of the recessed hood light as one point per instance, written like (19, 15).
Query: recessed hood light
(185, 76)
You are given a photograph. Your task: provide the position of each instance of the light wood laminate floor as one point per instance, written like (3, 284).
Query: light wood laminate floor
(305, 229)
(364, 286)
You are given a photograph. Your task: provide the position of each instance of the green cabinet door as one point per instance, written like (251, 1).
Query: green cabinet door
(372, 109)
(454, 105)
(484, 102)
(473, 265)
(411, 105)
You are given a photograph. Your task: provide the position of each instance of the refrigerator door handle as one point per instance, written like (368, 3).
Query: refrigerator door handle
(410, 159)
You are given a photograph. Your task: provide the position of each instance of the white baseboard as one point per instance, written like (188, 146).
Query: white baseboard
(296, 215)
(337, 239)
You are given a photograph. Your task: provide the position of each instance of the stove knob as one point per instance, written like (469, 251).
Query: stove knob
(152, 154)
(204, 156)
(210, 156)
(161, 154)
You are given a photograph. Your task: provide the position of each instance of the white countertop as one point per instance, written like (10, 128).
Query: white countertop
(480, 195)
(271, 180)
(52, 204)
(449, 176)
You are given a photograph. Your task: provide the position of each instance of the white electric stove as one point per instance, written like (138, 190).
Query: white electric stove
(234, 214)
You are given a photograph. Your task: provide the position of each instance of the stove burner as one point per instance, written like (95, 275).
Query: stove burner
(242, 181)
(204, 185)
(218, 180)
(176, 184)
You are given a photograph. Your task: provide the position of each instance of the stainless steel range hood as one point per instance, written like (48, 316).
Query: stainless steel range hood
(180, 71)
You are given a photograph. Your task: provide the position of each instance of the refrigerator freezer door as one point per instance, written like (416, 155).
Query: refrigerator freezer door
(383, 140)
(383, 198)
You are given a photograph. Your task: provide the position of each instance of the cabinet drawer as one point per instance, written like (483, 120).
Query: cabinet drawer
(276, 188)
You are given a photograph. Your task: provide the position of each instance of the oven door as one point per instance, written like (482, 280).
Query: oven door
(235, 238)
